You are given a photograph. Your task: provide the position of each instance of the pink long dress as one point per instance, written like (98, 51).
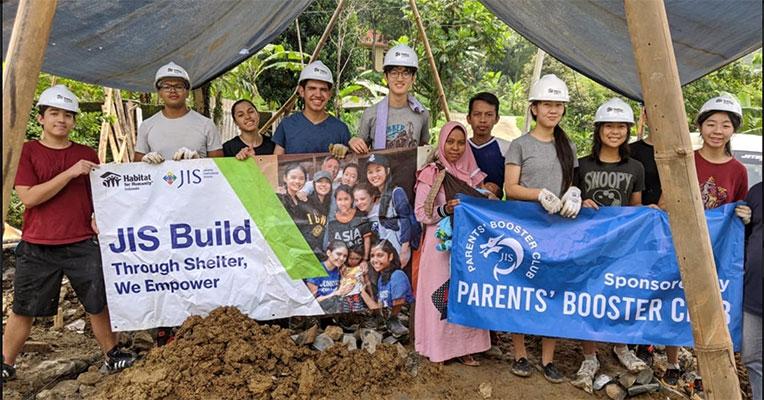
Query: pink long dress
(438, 339)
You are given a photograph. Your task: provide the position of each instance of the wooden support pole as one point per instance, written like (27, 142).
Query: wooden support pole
(431, 59)
(658, 74)
(537, 65)
(103, 139)
(320, 45)
(641, 122)
(24, 57)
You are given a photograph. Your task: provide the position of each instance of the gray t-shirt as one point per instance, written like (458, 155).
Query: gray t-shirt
(405, 128)
(166, 135)
(609, 184)
(539, 167)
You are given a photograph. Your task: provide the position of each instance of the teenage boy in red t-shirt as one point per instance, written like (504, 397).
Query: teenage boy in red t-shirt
(59, 233)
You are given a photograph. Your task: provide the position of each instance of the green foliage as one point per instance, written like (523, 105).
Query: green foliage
(245, 81)
(464, 37)
(742, 79)
(15, 211)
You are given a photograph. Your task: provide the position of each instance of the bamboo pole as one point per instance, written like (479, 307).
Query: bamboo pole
(321, 42)
(537, 65)
(103, 139)
(24, 57)
(299, 39)
(656, 64)
(431, 59)
(641, 122)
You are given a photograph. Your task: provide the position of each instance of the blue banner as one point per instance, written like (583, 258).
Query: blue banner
(609, 275)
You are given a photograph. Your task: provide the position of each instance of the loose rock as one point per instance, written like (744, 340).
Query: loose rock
(485, 390)
(77, 326)
(306, 337)
(334, 332)
(615, 391)
(323, 342)
(370, 339)
(89, 378)
(350, 342)
(36, 347)
(142, 341)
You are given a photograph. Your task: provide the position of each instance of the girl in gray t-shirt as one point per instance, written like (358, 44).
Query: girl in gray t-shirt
(539, 167)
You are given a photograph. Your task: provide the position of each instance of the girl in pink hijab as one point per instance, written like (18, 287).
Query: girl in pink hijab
(436, 338)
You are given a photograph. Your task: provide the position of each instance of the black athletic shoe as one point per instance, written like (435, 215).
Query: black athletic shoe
(645, 353)
(521, 367)
(164, 336)
(9, 372)
(671, 377)
(552, 374)
(117, 359)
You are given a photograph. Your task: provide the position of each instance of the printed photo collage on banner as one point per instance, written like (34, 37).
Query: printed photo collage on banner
(356, 215)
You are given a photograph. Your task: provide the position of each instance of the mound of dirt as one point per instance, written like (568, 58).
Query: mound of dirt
(228, 355)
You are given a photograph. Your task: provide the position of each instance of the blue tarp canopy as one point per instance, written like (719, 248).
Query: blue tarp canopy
(121, 43)
(591, 36)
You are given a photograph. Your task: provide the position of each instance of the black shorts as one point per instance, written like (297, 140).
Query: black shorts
(40, 268)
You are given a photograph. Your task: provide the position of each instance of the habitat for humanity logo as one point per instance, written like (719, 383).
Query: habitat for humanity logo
(505, 247)
(110, 179)
(128, 181)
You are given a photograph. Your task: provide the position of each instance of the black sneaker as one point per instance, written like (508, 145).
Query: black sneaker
(645, 353)
(552, 374)
(521, 367)
(117, 359)
(671, 377)
(164, 336)
(9, 372)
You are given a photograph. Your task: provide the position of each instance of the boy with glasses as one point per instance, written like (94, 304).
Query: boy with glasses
(176, 132)
(399, 120)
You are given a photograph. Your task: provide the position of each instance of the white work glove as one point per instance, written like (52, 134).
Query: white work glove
(549, 201)
(744, 213)
(338, 150)
(152, 158)
(185, 153)
(571, 202)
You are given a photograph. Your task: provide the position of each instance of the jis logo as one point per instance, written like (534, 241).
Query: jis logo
(503, 247)
(510, 253)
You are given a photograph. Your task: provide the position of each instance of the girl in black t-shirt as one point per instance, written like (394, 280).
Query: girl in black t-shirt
(250, 142)
(609, 177)
(349, 225)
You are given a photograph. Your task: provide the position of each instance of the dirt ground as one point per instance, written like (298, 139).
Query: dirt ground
(229, 356)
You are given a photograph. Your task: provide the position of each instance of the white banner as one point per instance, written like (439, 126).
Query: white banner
(177, 241)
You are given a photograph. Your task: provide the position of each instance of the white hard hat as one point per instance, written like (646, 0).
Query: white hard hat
(59, 96)
(549, 88)
(401, 56)
(614, 110)
(316, 71)
(171, 70)
(725, 102)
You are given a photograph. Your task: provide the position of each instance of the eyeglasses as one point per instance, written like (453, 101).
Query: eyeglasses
(172, 88)
(400, 74)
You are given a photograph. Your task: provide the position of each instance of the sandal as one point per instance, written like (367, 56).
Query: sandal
(468, 360)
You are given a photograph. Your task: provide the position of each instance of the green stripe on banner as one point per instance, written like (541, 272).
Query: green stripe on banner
(270, 216)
